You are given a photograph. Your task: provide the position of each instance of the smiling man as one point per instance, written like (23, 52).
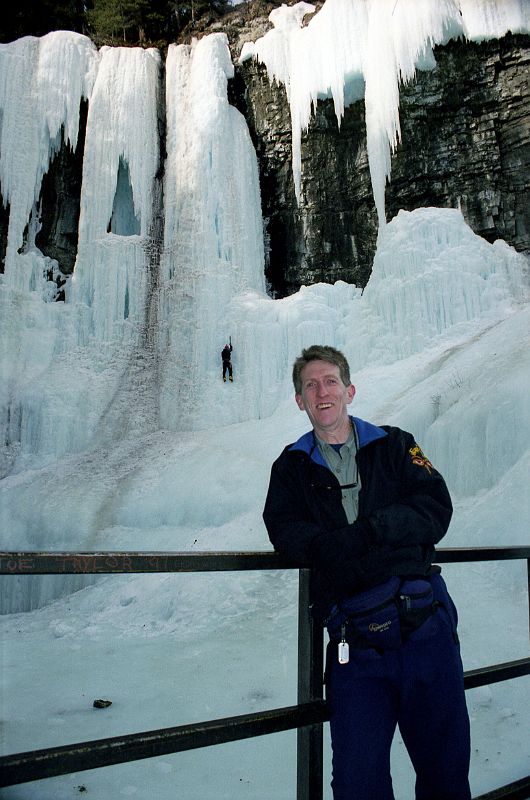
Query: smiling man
(325, 399)
(364, 508)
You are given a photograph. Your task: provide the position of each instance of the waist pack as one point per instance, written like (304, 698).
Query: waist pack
(384, 616)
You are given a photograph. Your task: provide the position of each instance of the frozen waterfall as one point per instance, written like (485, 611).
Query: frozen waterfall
(170, 263)
(118, 432)
(213, 236)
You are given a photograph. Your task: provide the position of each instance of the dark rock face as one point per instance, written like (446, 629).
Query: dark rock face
(59, 203)
(330, 235)
(465, 143)
(466, 139)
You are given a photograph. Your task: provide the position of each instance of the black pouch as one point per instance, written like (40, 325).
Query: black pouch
(416, 604)
(384, 616)
(369, 618)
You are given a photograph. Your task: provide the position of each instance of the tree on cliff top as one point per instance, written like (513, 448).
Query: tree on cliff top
(143, 21)
(110, 22)
(118, 20)
(38, 17)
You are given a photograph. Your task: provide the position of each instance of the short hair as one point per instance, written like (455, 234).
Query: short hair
(319, 352)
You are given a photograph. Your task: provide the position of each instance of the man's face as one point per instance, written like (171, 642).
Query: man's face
(325, 400)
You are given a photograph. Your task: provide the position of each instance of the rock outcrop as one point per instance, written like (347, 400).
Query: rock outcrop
(465, 143)
(331, 233)
(466, 138)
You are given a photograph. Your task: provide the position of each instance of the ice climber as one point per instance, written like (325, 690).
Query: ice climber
(226, 354)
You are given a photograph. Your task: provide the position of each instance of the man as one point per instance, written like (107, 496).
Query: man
(227, 364)
(363, 507)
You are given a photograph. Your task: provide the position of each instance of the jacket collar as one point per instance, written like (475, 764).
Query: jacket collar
(366, 433)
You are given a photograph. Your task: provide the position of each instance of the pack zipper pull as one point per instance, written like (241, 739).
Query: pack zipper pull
(344, 647)
(405, 598)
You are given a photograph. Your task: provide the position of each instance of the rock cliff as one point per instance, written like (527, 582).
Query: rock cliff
(465, 143)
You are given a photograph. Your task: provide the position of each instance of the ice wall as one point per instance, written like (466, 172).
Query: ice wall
(42, 82)
(69, 369)
(356, 48)
(435, 287)
(433, 277)
(213, 234)
(63, 363)
(133, 298)
(448, 313)
(120, 161)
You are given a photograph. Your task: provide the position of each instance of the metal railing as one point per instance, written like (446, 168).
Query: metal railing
(307, 716)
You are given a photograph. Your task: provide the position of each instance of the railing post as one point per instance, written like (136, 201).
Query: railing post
(528, 576)
(310, 687)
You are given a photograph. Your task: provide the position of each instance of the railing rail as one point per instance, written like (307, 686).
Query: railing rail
(112, 562)
(50, 762)
(307, 716)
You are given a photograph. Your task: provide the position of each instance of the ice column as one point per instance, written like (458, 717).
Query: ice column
(120, 162)
(42, 82)
(213, 246)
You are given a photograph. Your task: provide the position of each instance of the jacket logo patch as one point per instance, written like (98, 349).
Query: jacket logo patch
(420, 459)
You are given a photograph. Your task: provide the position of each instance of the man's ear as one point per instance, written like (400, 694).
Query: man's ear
(299, 401)
(351, 392)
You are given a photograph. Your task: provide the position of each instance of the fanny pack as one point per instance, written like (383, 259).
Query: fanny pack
(382, 617)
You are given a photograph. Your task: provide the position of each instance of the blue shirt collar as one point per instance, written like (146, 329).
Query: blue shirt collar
(366, 433)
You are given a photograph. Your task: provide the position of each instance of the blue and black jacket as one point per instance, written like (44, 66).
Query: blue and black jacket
(404, 511)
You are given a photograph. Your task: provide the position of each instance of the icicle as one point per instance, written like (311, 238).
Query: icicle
(42, 82)
(381, 42)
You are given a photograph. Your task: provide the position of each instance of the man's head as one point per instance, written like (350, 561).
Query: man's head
(323, 389)
(318, 352)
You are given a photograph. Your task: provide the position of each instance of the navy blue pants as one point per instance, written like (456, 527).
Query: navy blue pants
(418, 687)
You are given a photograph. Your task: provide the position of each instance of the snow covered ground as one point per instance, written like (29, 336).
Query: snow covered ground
(173, 649)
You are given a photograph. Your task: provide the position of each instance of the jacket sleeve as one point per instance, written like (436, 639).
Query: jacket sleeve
(293, 531)
(422, 511)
